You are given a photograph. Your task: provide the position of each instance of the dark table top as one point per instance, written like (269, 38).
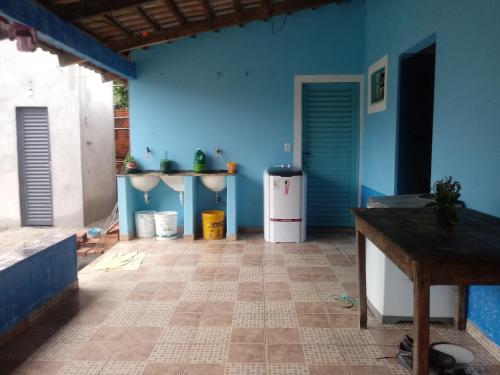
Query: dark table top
(476, 237)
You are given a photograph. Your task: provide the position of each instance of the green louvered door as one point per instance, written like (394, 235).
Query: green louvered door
(330, 123)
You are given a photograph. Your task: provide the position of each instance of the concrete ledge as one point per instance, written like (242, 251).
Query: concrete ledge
(37, 314)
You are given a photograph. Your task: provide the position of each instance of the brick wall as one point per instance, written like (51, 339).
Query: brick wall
(121, 137)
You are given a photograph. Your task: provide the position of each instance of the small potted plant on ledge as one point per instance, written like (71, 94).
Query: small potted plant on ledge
(445, 194)
(130, 164)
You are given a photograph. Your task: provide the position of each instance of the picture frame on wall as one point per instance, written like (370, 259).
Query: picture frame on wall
(377, 86)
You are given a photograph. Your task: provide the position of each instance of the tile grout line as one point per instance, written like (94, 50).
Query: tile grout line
(186, 362)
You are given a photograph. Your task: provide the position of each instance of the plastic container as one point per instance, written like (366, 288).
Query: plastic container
(213, 225)
(94, 232)
(231, 167)
(145, 224)
(166, 225)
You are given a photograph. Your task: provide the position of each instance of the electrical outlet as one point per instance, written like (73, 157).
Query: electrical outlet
(288, 147)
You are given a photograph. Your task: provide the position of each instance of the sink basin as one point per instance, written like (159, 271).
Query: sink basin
(144, 183)
(214, 183)
(176, 183)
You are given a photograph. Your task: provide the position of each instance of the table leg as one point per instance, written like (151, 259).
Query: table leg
(361, 244)
(421, 302)
(461, 307)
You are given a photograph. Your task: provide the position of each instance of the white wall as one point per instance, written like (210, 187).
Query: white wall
(98, 147)
(35, 79)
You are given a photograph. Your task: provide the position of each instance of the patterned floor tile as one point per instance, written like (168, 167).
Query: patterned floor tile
(323, 354)
(281, 320)
(352, 337)
(123, 368)
(56, 352)
(181, 334)
(167, 352)
(282, 307)
(247, 285)
(318, 336)
(251, 320)
(209, 353)
(287, 369)
(82, 368)
(245, 369)
(363, 355)
(216, 335)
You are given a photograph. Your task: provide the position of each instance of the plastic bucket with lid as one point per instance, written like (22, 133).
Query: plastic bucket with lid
(166, 225)
(213, 224)
(145, 224)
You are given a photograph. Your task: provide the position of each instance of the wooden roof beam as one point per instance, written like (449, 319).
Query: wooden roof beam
(85, 9)
(118, 25)
(193, 28)
(172, 7)
(146, 17)
(208, 9)
(268, 5)
(237, 11)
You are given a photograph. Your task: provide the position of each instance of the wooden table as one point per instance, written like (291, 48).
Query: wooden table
(466, 253)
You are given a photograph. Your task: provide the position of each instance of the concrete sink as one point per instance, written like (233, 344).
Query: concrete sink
(214, 183)
(144, 183)
(176, 183)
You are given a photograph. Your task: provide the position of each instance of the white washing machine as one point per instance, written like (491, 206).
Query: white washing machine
(284, 204)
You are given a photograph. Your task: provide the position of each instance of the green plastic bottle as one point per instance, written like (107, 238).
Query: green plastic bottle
(199, 164)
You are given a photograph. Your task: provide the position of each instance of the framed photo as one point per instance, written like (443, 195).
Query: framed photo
(377, 86)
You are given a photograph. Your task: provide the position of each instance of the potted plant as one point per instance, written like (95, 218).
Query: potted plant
(445, 194)
(130, 164)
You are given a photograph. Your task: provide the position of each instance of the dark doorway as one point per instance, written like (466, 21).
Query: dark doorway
(416, 107)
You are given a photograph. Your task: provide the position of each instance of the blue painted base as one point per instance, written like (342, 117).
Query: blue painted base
(32, 282)
(162, 198)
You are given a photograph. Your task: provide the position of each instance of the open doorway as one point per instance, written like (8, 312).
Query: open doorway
(416, 108)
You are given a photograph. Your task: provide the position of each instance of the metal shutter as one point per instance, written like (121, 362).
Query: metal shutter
(329, 131)
(34, 166)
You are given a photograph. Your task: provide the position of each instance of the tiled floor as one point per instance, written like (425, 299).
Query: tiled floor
(235, 308)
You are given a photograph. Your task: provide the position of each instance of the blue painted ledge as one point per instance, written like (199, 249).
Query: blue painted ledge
(30, 277)
(65, 36)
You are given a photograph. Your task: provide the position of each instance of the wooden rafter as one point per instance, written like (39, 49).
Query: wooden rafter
(172, 7)
(208, 10)
(117, 24)
(268, 5)
(193, 28)
(88, 9)
(237, 11)
(146, 17)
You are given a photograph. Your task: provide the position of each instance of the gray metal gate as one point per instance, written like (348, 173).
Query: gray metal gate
(34, 166)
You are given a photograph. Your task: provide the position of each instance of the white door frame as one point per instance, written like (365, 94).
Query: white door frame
(297, 114)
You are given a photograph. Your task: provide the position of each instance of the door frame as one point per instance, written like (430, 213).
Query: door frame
(300, 80)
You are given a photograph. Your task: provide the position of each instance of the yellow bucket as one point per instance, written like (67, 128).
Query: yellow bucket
(213, 225)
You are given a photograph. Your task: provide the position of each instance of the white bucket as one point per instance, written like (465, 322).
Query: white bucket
(166, 225)
(145, 224)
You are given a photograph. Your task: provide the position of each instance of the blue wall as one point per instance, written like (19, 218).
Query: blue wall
(32, 282)
(466, 135)
(180, 103)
